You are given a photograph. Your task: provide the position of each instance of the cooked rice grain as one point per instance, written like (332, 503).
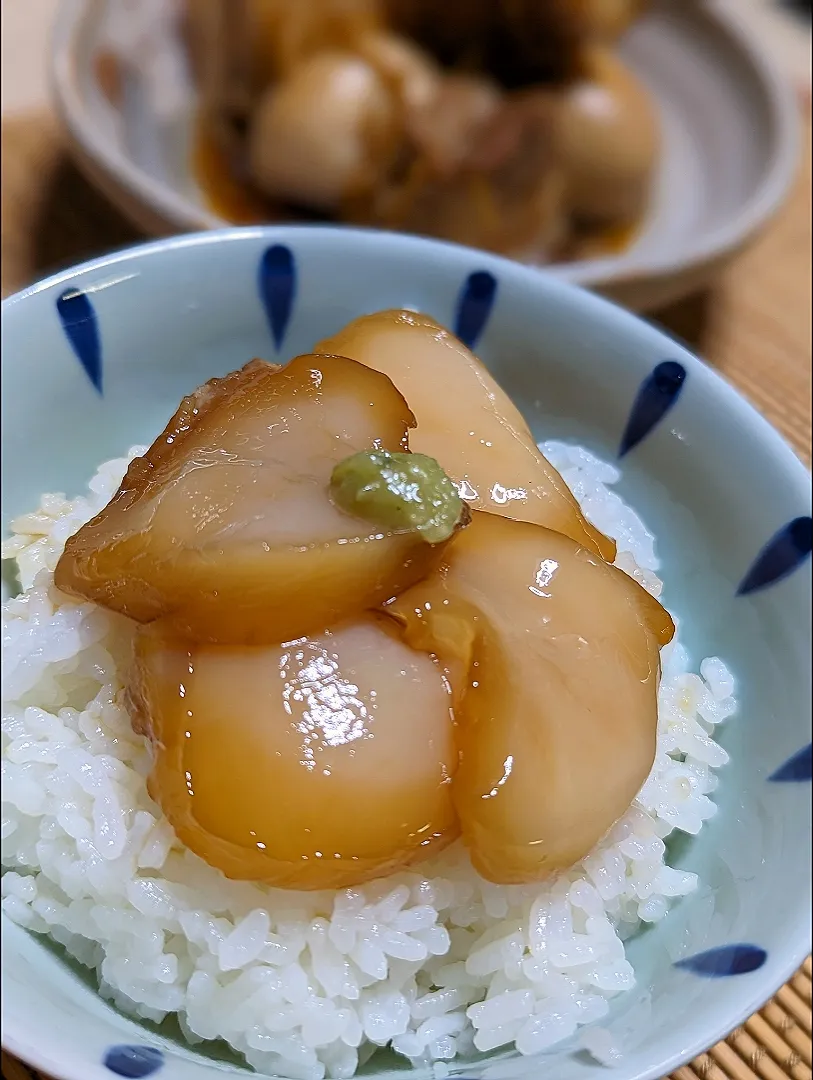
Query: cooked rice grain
(435, 961)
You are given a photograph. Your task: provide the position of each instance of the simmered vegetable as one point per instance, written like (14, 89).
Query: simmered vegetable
(610, 142)
(315, 137)
(507, 126)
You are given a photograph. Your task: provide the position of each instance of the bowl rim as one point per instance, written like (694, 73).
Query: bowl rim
(98, 156)
(797, 942)
(368, 239)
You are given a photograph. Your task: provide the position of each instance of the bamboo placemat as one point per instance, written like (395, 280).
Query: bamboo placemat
(753, 326)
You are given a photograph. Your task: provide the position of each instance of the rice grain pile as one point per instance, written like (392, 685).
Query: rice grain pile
(435, 962)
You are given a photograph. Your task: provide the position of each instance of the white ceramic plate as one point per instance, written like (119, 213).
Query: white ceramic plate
(729, 119)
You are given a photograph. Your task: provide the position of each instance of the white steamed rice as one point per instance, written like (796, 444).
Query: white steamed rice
(434, 961)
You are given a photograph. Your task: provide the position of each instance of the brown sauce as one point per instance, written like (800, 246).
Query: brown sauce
(237, 202)
(226, 195)
(600, 243)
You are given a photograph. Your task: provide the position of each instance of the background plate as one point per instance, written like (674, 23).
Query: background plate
(730, 131)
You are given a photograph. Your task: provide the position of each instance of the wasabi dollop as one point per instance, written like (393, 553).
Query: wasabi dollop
(399, 491)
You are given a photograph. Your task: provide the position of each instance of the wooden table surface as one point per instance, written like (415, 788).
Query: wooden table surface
(753, 326)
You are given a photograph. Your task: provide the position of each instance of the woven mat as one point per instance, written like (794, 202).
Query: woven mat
(754, 327)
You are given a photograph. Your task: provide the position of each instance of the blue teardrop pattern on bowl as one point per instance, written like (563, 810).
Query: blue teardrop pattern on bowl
(796, 769)
(134, 1062)
(276, 281)
(785, 552)
(474, 306)
(658, 394)
(724, 961)
(81, 328)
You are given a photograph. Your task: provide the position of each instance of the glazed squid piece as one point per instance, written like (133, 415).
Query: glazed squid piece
(553, 660)
(467, 422)
(225, 530)
(342, 662)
